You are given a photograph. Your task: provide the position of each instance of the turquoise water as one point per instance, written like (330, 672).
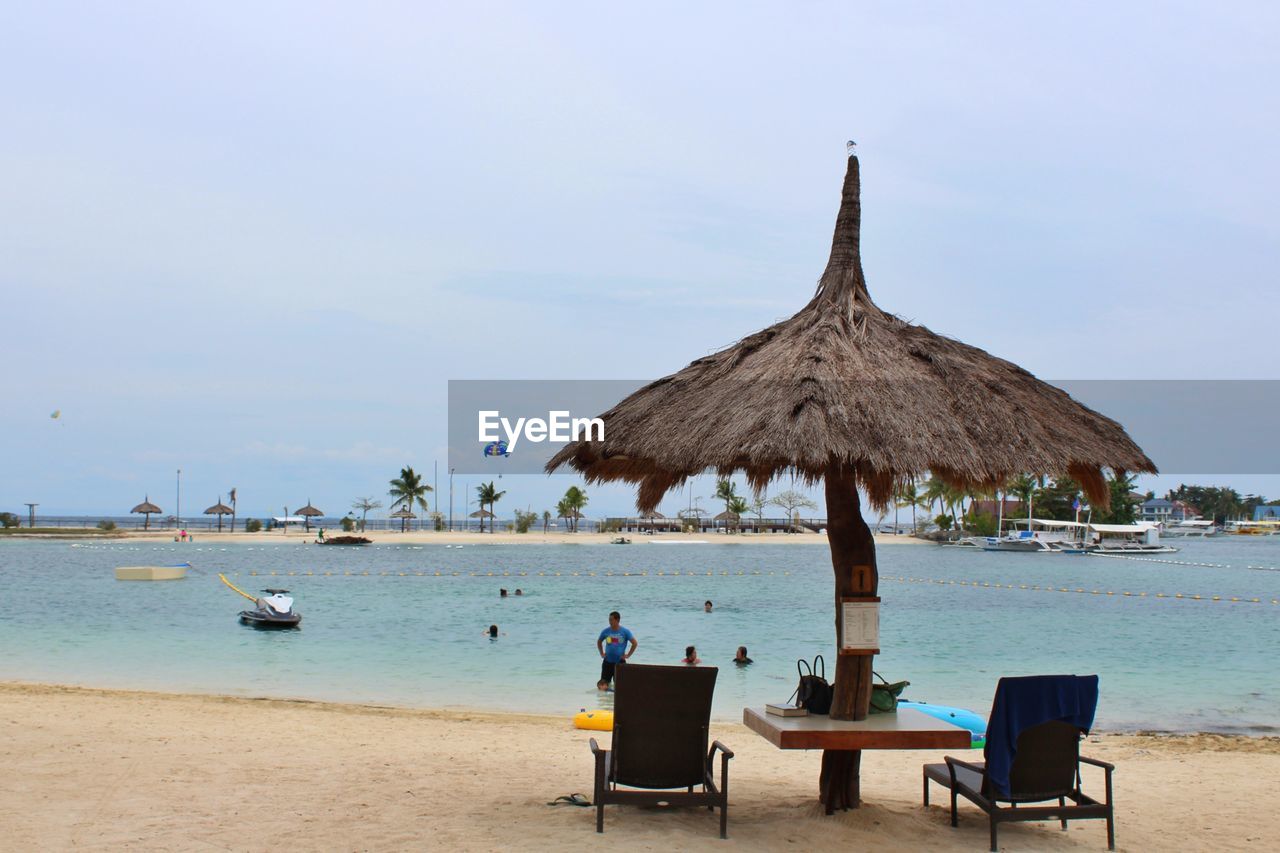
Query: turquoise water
(421, 640)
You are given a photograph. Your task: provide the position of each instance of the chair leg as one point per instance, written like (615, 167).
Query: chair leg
(926, 790)
(1062, 802)
(1111, 830)
(995, 848)
(724, 817)
(599, 817)
(953, 807)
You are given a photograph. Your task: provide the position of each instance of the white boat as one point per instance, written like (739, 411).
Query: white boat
(1196, 527)
(1140, 538)
(1043, 536)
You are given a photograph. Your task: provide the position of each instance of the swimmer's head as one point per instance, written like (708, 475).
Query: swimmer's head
(493, 630)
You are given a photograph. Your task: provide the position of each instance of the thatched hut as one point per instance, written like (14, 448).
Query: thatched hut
(482, 514)
(404, 515)
(146, 509)
(219, 509)
(309, 512)
(851, 395)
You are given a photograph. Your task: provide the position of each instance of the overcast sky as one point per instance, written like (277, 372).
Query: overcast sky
(254, 241)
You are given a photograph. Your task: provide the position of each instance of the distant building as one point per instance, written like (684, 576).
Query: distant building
(1167, 512)
(1267, 513)
(1012, 508)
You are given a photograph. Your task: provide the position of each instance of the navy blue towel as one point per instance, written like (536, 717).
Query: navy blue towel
(1021, 703)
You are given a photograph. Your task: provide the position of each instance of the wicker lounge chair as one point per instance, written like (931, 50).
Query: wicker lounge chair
(661, 716)
(1045, 767)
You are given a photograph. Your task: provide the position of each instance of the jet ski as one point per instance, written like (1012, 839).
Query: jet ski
(275, 610)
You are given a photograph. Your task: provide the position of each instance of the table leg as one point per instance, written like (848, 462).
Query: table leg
(839, 786)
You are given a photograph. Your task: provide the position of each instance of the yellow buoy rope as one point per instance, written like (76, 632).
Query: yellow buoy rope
(223, 578)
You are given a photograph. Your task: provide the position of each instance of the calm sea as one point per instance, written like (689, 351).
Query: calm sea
(383, 627)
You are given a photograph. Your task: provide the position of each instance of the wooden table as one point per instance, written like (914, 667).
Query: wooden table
(842, 742)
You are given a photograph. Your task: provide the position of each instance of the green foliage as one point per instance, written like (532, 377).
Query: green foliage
(1124, 503)
(364, 505)
(252, 525)
(981, 523)
(106, 525)
(524, 520)
(407, 489)
(8, 519)
(489, 494)
(611, 526)
(943, 522)
(437, 521)
(571, 505)
(792, 501)
(348, 524)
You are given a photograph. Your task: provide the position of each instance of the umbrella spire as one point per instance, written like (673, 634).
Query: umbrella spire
(842, 281)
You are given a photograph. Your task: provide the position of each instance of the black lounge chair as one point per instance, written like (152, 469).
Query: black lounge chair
(661, 716)
(1045, 762)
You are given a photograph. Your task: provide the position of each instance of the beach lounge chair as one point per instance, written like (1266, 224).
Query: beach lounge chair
(1032, 756)
(661, 716)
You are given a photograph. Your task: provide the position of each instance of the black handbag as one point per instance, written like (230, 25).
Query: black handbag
(813, 693)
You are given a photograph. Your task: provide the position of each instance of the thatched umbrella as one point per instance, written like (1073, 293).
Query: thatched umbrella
(482, 514)
(309, 512)
(147, 509)
(219, 509)
(404, 515)
(849, 394)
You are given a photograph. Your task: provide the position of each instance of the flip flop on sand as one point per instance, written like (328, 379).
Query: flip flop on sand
(571, 800)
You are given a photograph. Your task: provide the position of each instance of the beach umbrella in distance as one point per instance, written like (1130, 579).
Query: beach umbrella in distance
(309, 512)
(852, 396)
(147, 509)
(481, 514)
(219, 509)
(404, 515)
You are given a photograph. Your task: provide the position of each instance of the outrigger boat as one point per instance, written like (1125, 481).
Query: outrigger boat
(273, 611)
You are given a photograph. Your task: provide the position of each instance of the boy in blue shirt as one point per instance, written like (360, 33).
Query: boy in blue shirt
(612, 644)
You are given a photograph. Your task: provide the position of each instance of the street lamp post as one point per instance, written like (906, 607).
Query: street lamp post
(450, 500)
(177, 512)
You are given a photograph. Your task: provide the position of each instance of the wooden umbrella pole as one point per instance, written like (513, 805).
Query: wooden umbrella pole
(853, 557)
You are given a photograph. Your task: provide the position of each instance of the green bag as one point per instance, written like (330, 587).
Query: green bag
(884, 697)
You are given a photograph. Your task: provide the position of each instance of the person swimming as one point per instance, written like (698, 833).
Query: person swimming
(493, 632)
(741, 658)
(706, 607)
(691, 656)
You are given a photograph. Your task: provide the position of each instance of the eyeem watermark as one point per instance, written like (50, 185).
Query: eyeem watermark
(559, 426)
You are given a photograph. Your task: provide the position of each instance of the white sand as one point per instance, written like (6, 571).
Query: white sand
(94, 769)
(428, 537)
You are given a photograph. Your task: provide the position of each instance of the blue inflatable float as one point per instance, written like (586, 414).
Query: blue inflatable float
(976, 725)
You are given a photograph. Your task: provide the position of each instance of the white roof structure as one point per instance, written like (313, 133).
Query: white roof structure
(1120, 528)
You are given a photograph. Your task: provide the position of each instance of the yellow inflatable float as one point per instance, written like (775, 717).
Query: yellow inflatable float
(599, 721)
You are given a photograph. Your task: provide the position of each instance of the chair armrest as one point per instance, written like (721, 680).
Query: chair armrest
(953, 763)
(595, 748)
(728, 753)
(1096, 763)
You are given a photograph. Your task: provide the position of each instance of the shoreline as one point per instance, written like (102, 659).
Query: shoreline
(1268, 742)
(109, 769)
(431, 537)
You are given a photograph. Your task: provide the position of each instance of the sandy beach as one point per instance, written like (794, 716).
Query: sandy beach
(431, 537)
(96, 769)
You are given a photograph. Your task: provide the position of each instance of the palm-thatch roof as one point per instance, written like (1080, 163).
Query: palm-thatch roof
(843, 382)
(727, 516)
(402, 513)
(652, 515)
(219, 509)
(309, 510)
(481, 513)
(146, 507)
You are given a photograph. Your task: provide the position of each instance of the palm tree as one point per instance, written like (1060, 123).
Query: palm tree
(546, 520)
(487, 493)
(565, 511)
(364, 505)
(736, 506)
(577, 499)
(408, 489)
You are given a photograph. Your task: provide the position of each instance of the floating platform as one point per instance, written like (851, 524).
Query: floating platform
(152, 573)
